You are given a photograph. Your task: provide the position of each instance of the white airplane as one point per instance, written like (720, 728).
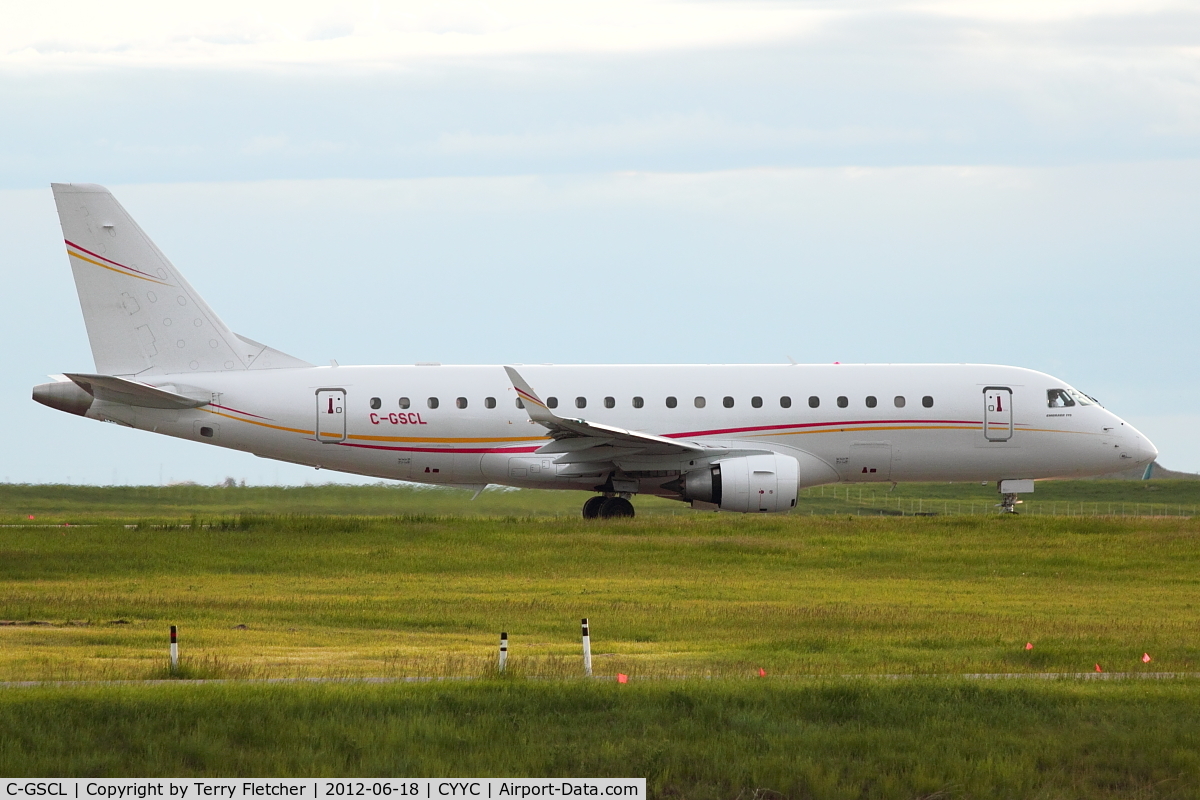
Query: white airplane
(733, 437)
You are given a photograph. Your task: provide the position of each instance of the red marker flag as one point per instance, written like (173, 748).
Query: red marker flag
(1029, 645)
(622, 677)
(1098, 668)
(1146, 659)
(31, 516)
(762, 673)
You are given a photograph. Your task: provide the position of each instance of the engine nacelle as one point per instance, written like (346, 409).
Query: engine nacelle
(764, 483)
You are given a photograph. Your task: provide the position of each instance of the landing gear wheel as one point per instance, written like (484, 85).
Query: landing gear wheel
(616, 507)
(1009, 504)
(591, 509)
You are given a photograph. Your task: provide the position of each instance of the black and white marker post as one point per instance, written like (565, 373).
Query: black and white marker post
(174, 649)
(587, 649)
(503, 650)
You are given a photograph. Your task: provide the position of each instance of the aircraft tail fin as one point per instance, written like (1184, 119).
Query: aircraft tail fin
(142, 316)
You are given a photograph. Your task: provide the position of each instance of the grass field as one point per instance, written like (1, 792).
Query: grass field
(739, 739)
(699, 595)
(691, 606)
(56, 504)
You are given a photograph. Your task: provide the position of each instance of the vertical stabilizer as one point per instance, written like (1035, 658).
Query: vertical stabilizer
(142, 317)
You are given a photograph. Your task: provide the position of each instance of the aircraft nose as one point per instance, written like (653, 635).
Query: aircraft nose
(1142, 448)
(1148, 451)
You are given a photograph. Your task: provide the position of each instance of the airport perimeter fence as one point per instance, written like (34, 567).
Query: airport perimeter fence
(869, 502)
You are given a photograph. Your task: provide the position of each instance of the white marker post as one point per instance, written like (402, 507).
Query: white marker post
(587, 649)
(174, 649)
(503, 650)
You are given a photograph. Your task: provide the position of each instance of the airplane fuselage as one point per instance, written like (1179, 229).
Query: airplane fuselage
(867, 423)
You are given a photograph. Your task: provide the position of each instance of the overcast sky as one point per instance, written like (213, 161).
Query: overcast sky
(617, 182)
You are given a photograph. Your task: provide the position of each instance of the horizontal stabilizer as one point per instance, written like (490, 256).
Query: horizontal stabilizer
(112, 389)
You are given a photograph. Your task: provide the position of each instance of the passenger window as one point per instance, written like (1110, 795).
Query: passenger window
(461, 402)
(899, 401)
(581, 402)
(843, 401)
(672, 402)
(814, 402)
(756, 401)
(376, 402)
(727, 402)
(519, 403)
(927, 401)
(871, 401)
(551, 402)
(404, 402)
(699, 402)
(785, 402)
(1058, 398)
(610, 402)
(432, 402)
(638, 402)
(489, 402)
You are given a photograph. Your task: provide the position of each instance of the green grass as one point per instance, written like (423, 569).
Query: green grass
(56, 504)
(50, 503)
(704, 594)
(1053, 498)
(764, 738)
(690, 606)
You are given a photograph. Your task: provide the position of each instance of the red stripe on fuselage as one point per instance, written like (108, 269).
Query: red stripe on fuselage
(452, 450)
(446, 450)
(799, 425)
(234, 410)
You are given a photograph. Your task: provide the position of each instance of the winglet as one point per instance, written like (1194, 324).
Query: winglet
(538, 412)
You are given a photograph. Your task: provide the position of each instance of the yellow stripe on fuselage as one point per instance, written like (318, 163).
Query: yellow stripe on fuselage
(256, 422)
(449, 439)
(518, 439)
(852, 429)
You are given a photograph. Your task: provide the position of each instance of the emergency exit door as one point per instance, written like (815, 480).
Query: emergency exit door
(997, 413)
(331, 415)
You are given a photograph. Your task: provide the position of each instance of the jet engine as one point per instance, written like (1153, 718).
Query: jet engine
(763, 483)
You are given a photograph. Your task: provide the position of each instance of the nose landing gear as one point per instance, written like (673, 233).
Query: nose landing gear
(1008, 504)
(1009, 489)
(607, 507)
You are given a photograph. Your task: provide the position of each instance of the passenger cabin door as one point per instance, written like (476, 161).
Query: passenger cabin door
(331, 415)
(997, 414)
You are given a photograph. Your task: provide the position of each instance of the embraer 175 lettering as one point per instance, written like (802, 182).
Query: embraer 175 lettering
(733, 437)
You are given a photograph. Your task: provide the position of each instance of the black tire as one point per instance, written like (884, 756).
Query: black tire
(591, 509)
(616, 507)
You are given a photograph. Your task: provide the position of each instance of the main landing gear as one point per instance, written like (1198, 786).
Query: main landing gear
(1008, 503)
(607, 507)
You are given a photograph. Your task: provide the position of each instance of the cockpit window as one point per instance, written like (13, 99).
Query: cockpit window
(1058, 398)
(1082, 399)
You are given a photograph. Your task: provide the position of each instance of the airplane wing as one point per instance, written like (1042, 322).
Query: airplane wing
(581, 441)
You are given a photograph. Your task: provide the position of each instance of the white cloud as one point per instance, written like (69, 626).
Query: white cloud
(1039, 10)
(678, 130)
(366, 33)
